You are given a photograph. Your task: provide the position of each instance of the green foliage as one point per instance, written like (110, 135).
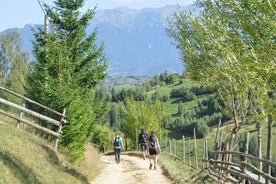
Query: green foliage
(202, 129)
(135, 93)
(180, 108)
(184, 93)
(220, 49)
(102, 136)
(136, 115)
(68, 68)
(167, 78)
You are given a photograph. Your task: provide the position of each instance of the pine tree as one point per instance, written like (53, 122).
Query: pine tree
(68, 68)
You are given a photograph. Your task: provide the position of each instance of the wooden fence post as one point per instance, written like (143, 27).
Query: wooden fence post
(220, 145)
(216, 139)
(226, 157)
(167, 144)
(260, 150)
(196, 163)
(21, 114)
(203, 154)
(136, 139)
(183, 149)
(246, 145)
(170, 146)
(189, 151)
(60, 129)
(206, 152)
(174, 141)
(269, 147)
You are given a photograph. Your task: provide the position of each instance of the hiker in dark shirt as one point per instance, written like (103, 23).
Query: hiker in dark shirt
(143, 141)
(154, 149)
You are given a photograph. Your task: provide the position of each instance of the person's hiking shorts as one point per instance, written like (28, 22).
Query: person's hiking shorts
(153, 151)
(143, 147)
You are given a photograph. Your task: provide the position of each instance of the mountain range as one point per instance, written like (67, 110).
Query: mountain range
(135, 41)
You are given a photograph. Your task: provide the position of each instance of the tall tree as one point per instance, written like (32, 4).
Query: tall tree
(14, 62)
(140, 114)
(69, 66)
(219, 48)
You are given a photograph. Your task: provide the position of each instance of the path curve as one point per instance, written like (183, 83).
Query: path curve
(131, 170)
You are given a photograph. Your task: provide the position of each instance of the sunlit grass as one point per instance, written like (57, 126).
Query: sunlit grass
(27, 158)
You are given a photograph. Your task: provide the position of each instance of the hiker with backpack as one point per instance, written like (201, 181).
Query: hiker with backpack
(118, 147)
(154, 149)
(143, 141)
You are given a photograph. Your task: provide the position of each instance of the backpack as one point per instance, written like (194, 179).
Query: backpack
(117, 142)
(152, 141)
(144, 138)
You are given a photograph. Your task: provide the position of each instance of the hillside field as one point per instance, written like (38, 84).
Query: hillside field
(27, 158)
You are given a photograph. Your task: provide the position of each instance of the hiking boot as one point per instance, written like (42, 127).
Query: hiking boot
(150, 166)
(154, 167)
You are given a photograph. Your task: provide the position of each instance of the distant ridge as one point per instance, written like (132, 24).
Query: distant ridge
(135, 41)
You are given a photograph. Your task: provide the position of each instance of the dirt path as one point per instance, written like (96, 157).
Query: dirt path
(131, 170)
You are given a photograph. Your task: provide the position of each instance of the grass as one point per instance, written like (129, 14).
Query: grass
(26, 158)
(182, 173)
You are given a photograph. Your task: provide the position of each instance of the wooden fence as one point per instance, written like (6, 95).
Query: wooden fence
(22, 119)
(220, 164)
(246, 169)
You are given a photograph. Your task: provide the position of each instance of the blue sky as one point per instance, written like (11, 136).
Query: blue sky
(17, 13)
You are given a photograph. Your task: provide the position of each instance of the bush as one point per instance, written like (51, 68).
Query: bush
(201, 129)
(102, 136)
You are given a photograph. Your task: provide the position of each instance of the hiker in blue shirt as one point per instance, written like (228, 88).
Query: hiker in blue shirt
(154, 149)
(118, 147)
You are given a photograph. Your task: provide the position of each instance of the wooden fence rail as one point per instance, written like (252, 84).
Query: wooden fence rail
(219, 162)
(22, 109)
(220, 166)
(240, 170)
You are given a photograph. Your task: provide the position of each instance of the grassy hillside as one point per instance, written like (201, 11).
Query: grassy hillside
(26, 158)
(172, 107)
(172, 104)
